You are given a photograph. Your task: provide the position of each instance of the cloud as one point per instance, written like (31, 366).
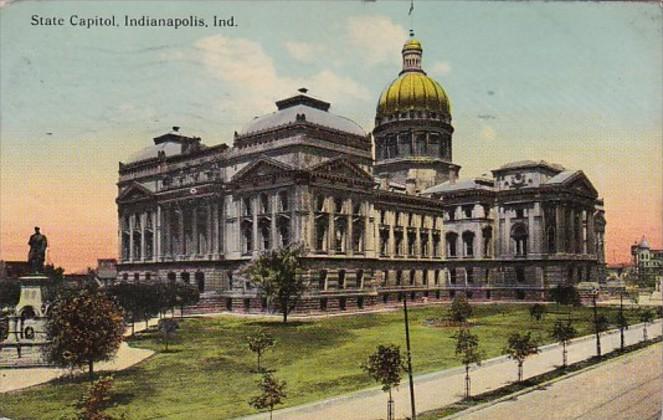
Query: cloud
(377, 38)
(254, 83)
(305, 52)
(440, 68)
(488, 133)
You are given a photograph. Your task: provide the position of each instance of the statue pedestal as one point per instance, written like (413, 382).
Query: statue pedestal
(27, 332)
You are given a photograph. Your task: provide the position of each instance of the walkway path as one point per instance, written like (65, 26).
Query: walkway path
(12, 379)
(438, 389)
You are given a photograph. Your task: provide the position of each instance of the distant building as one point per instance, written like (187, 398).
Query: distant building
(106, 271)
(383, 216)
(13, 269)
(647, 262)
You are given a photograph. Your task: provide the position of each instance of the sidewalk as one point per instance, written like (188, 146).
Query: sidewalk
(435, 390)
(12, 379)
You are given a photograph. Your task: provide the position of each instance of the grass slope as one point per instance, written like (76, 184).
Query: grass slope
(208, 372)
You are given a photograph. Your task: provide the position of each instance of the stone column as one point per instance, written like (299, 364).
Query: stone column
(348, 233)
(120, 230)
(391, 248)
(254, 218)
(331, 240)
(143, 219)
(273, 230)
(507, 234)
(182, 241)
(156, 229)
(208, 229)
(195, 249)
(560, 228)
(131, 236)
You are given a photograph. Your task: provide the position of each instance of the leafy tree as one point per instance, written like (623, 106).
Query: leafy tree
(460, 309)
(276, 274)
(600, 324)
(565, 295)
(386, 366)
(258, 343)
(167, 293)
(563, 332)
(622, 323)
(84, 327)
(10, 291)
(537, 311)
(186, 294)
(519, 347)
(92, 404)
(149, 301)
(128, 297)
(272, 393)
(168, 328)
(467, 346)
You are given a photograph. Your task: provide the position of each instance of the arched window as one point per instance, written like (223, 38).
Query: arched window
(247, 237)
(341, 279)
(322, 280)
(452, 240)
(200, 281)
(487, 234)
(186, 277)
(519, 236)
(468, 243)
(360, 279)
(550, 239)
(412, 277)
(172, 277)
(283, 201)
(264, 203)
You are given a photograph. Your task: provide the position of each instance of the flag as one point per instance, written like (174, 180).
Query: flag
(411, 8)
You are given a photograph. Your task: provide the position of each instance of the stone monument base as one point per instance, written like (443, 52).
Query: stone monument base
(27, 326)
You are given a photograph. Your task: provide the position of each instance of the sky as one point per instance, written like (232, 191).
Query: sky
(575, 83)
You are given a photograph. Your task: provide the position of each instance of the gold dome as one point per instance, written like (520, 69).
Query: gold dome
(413, 91)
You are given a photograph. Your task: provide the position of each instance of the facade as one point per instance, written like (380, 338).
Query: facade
(647, 263)
(381, 215)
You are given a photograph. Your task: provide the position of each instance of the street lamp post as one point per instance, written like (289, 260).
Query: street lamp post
(409, 358)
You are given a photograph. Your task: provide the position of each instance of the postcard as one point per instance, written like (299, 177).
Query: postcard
(330, 210)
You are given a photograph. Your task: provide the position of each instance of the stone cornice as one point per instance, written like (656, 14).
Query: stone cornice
(304, 127)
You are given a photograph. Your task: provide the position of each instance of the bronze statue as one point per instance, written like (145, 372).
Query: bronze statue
(37, 253)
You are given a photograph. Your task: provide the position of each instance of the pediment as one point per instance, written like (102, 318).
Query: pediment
(263, 167)
(581, 184)
(135, 192)
(343, 168)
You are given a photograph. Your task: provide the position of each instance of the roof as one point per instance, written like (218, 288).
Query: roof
(150, 152)
(520, 164)
(306, 108)
(561, 177)
(643, 243)
(462, 185)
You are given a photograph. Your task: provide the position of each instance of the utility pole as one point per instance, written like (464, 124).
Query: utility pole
(409, 358)
(596, 328)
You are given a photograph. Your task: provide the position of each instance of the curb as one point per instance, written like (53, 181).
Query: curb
(532, 388)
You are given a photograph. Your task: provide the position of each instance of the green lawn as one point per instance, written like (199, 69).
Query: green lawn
(208, 373)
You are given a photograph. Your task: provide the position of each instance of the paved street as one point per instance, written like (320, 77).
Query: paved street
(625, 388)
(445, 387)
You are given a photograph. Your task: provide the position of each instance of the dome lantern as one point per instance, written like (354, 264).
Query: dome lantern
(412, 52)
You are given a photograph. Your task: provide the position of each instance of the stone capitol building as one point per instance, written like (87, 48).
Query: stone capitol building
(382, 215)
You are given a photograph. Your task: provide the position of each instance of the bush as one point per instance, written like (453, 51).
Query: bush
(460, 309)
